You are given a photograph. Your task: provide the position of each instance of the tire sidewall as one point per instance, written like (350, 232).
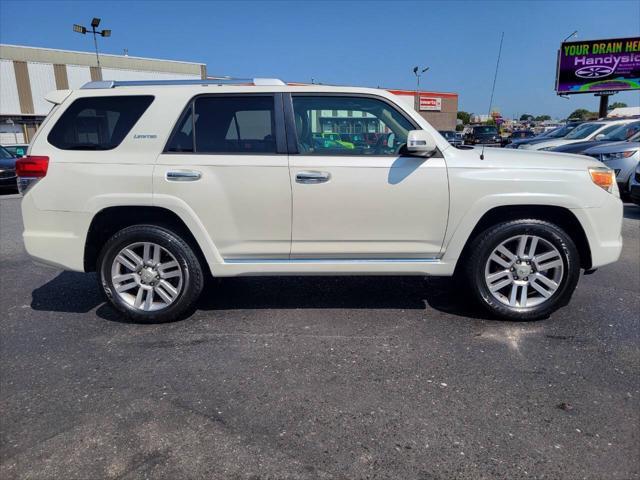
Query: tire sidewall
(547, 231)
(178, 248)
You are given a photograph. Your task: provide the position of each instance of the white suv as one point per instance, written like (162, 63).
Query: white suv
(156, 185)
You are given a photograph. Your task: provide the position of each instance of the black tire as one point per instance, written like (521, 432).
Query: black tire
(192, 275)
(485, 243)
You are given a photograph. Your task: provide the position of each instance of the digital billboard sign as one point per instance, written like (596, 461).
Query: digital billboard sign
(593, 66)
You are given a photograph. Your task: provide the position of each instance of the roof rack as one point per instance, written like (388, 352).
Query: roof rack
(208, 81)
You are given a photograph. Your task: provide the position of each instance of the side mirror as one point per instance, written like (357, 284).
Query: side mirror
(421, 143)
(600, 136)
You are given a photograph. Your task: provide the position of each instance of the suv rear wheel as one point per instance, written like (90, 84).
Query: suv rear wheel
(523, 269)
(149, 274)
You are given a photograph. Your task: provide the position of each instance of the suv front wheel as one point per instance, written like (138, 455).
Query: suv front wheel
(149, 274)
(523, 269)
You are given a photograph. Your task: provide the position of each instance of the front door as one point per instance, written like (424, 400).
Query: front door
(356, 196)
(227, 162)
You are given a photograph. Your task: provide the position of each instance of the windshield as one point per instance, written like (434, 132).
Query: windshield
(583, 131)
(4, 153)
(635, 138)
(448, 134)
(485, 130)
(561, 132)
(622, 132)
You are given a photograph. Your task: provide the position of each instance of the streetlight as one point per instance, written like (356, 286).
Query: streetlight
(94, 24)
(418, 73)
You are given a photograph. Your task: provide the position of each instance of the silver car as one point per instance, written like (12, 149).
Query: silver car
(622, 157)
(634, 186)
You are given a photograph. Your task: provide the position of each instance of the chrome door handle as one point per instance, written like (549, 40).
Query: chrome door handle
(183, 176)
(312, 177)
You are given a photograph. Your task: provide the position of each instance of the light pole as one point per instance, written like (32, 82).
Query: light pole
(574, 34)
(94, 24)
(418, 73)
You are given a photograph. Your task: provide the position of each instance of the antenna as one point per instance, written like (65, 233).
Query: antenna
(493, 88)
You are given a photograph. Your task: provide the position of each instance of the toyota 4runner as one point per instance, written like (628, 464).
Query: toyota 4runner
(156, 185)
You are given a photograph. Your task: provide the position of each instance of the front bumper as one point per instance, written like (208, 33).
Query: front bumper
(635, 194)
(603, 228)
(8, 179)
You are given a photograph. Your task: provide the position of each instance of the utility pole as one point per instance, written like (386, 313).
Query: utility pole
(418, 73)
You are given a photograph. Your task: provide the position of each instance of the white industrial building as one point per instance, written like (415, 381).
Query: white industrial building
(27, 74)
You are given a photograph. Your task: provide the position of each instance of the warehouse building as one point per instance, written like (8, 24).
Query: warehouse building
(27, 74)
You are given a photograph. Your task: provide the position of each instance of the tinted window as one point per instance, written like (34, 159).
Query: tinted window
(98, 123)
(234, 124)
(182, 139)
(485, 130)
(323, 124)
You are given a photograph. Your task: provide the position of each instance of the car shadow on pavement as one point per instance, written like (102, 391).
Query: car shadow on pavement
(69, 292)
(78, 293)
(631, 211)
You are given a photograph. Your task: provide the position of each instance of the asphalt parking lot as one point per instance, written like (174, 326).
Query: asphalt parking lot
(305, 378)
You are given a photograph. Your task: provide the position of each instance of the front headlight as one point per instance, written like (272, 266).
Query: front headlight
(617, 155)
(603, 177)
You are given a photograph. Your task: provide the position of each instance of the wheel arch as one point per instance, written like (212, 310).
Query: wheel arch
(560, 216)
(110, 220)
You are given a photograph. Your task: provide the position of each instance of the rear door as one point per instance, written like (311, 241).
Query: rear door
(227, 160)
(357, 200)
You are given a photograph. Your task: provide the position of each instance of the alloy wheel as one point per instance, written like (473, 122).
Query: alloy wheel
(524, 271)
(146, 276)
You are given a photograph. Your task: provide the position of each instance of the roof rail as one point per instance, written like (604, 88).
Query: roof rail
(208, 81)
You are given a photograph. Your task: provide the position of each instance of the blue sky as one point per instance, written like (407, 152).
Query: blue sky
(372, 43)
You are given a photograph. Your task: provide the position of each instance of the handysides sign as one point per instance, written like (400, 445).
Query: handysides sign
(597, 65)
(430, 103)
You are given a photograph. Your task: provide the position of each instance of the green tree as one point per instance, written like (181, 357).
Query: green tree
(616, 105)
(580, 114)
(542, 118)
(464, 116)
(526, 117)
(491, 121)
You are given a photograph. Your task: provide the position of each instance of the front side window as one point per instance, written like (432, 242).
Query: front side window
(223, 124)
(334, 125)
(98, 123)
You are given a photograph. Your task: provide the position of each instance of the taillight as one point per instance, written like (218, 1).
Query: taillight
(29, 170)
(32, 166)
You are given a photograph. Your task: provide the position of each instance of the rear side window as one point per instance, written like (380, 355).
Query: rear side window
(98, 123)
(227, 124)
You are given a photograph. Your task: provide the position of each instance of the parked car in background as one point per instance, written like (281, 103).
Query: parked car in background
(517, 135)
(451, 137)
(634, 186)
(7, 170)
(621, 157)
(551, 134)
(587, 131)
(618, 134)
(483, 135)
(17, 150)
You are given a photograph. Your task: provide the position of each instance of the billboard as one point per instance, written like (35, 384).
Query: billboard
(593, 66)
(433, 104)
